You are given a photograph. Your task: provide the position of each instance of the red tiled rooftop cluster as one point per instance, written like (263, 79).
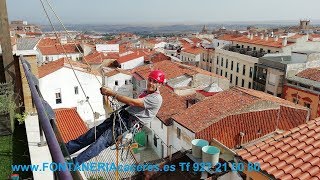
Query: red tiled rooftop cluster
(294, 154)
(208, 111)
(258, 41)
(253, 124)
(99, 57)
(218, 114)
(171, 70)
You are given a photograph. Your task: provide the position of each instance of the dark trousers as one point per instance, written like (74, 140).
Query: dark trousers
(104, 138)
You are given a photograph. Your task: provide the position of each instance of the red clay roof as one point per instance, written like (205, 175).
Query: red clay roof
(310, 73)
(117, 71)
(99, 57)
(226, 103)
(157, 57)
(129, 57)
(228, 37)
(193, 50)
(171, 70)
(256, 40)
(294, 154)
(47, 42)
(56, 65)
(254, 124)
(58, 49)
(69, 123)
(171, 105)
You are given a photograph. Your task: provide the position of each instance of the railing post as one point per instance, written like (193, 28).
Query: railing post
(42, 141)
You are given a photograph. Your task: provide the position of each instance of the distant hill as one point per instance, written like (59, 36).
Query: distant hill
(172, 28)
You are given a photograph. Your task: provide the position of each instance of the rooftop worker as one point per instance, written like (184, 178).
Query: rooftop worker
(142, 109)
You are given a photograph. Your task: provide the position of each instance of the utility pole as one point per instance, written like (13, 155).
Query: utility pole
(6, 46)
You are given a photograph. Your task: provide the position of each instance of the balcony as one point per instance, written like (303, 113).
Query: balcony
(245, 51)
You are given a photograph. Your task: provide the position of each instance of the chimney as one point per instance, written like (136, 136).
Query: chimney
(266, 37)
(261, 37)
(256, 34)
(276, 38)
(272, 34)
(284, 41)
(251, 36)
(248, 36)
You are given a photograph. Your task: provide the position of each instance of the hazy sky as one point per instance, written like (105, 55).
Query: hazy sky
(165, 11)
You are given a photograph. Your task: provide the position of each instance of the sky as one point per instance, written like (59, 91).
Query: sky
(164, 11)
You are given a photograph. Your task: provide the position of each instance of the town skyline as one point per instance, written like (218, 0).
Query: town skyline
(162, 13)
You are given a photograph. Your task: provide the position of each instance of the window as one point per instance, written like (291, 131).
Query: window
(217, 71)
(269, 51)
(217, 59)
(58, 96)
(251, 72)
(226, 74)
(254, 48)
(304, 86)
(316, 89)
(249, 85)
(244, 70)
(178, 133)
(155, 140)
(236, 80)
(226, 63)
(295, 100)
(306, 104)
(221, 72)
(221, 62)
(76, 90)
(126, 82)
(269, 92)
(279, 95)
(237, 67)
(161, 125)
(242, 46)
(242, 83)
(116, 83)
(230, 78)
(231, 65)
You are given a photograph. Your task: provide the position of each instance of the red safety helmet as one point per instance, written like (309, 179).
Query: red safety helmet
(157, 75)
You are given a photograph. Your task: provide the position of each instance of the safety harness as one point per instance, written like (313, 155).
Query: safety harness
(126, 137)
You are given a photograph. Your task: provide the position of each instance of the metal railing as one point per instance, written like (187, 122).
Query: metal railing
(45, 120)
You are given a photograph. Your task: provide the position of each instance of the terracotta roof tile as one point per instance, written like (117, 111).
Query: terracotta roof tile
(99, 57)
(171, 70)
(69, 124)
(116, 71)
(217, 114)
(310, 73)
(58, 49)
(256, 40)
(300, 161)
(193, 50)
(129, 57)
(172, 104)
(62, 62)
